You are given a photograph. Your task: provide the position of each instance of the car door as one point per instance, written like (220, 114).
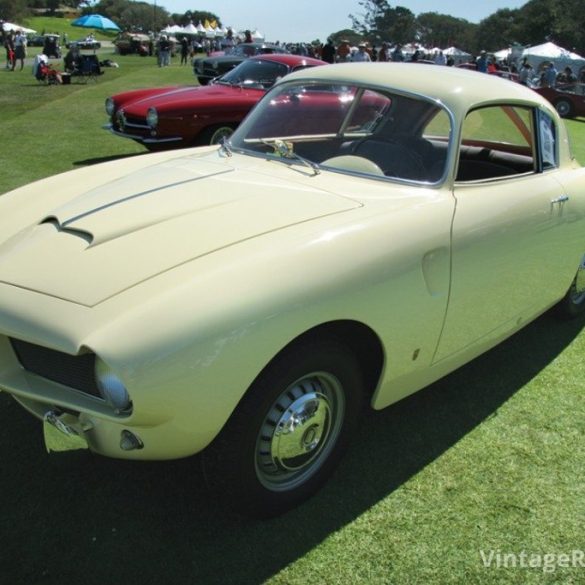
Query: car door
(508, 243)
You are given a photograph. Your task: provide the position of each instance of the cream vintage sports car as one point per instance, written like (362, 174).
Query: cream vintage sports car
(368, 229)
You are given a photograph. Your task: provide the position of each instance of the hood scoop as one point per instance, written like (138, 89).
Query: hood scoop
(128, 230)
(128, 205)
(54, 222)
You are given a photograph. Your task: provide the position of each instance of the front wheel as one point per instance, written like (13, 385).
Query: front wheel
(289, 431)
(214, 134)
(564, 108)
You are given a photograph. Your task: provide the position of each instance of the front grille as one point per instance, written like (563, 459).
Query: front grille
(75, 371)
(134, 121)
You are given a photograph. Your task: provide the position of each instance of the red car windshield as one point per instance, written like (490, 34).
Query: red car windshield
(255, 73)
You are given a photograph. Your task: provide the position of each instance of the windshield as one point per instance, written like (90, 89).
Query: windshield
(245, 50)
(349, 128)
(255, 73)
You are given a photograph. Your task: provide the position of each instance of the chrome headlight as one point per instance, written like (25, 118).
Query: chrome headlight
(111, 387)
(110, 106)
(152, 118)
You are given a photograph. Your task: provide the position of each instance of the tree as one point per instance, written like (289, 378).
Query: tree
(14, 10)
(141, 16)
(382, 22)
(374, 10)
(132, 15)
(560, 21)
(500, 30)
(441, 30)
(347, 34)
(196, 17)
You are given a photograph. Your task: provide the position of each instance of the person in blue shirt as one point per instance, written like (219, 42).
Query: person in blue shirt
(482, 62)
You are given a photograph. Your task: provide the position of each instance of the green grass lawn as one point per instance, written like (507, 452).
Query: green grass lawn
(51, 129)
(490, 458)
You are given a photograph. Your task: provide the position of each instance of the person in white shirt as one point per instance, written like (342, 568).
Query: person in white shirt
(440, 58)
(361, 54)
(19, 49)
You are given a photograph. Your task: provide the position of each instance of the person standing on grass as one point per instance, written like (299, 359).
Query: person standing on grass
(9, 46)
(164, 51)
(184, 50)
(3, 36)
(19, 49)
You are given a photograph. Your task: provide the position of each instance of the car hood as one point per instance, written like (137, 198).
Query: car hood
(190, 97)
(111, 237)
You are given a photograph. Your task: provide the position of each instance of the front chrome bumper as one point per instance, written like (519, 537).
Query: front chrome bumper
(142, 139)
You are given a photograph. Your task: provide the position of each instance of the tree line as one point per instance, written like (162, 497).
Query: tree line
(536, 22)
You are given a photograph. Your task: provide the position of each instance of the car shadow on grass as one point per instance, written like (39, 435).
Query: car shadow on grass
(93, 520)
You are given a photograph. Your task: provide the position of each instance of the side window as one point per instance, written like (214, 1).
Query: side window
(497, 141)
(547, 141)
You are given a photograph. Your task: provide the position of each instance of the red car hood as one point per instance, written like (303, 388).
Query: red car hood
(191, 97)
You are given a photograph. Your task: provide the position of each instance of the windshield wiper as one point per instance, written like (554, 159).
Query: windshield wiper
(285, 151)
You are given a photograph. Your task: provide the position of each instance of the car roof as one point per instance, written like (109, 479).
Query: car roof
(256, 44)
(288, 59)
(459, 89)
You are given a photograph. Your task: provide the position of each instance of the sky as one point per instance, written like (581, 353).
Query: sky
(307, 20)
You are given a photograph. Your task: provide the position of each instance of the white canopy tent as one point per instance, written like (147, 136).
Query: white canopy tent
(503, 54)
(173, 29)
(547, 52)
(7, 26)
(458, 55)
(189, 29)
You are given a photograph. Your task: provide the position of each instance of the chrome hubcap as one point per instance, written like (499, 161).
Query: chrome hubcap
(299, 431)
(563, 108)
(220, 134)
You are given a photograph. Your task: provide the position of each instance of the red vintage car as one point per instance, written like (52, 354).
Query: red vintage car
(568, 99)
(174, 117)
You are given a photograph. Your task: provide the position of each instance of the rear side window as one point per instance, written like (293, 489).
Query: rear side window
(497, 141)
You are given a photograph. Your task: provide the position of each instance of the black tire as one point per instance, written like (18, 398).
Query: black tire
(573, 303)
(214, 134)
(289, 431)
(564, 108)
